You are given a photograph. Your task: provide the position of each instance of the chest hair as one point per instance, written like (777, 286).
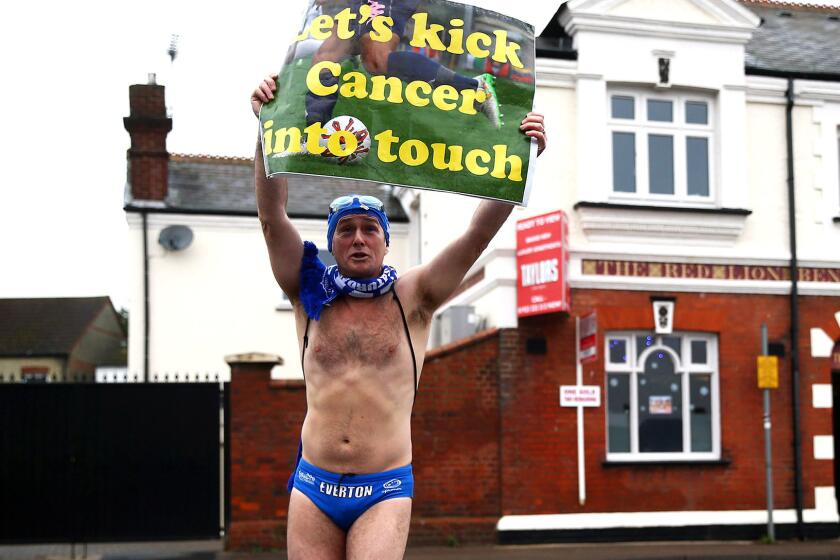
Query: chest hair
(364, 333)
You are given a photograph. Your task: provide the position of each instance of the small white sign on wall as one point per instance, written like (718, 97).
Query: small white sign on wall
(580, 395)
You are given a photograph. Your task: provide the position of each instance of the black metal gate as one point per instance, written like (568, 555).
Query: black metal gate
(109, 462)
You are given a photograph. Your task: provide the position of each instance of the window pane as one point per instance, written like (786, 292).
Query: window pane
(701, 412)
(618, 351)
(660, 111)
(624, 162)
(618, 407)
(661, 163)
(698, 352)
(696, 112)
(697, 154)
(660, 397)
(674, 343)
(643, 343)
(623, 107)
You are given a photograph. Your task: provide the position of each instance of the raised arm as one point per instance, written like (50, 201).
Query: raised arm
(283, 241)
(438, 279)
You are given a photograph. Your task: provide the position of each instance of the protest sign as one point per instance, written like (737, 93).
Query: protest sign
(418, 93)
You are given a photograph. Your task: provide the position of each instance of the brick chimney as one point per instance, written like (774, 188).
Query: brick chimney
(148, 125)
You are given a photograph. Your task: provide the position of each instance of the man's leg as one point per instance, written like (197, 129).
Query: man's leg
(320, 108)
(381, 532)
(383, 59)
(310, 534)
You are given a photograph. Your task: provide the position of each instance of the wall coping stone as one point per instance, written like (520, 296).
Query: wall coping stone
(254, 358)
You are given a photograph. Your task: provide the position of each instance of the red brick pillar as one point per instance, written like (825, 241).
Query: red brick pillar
(265, 417)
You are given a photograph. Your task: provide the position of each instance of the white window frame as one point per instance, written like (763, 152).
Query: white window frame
(679, 130)
(684, 368)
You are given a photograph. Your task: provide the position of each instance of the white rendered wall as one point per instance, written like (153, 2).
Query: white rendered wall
(218, 296)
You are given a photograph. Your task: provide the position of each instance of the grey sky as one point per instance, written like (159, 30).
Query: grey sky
(67, 68)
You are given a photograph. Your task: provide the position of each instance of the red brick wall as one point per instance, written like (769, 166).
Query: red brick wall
(539, 438)
(265, 420)
(455, 434)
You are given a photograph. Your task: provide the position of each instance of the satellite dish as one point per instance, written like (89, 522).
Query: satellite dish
(175, 238)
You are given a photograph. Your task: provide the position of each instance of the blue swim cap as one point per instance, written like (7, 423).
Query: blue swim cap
(357, 204)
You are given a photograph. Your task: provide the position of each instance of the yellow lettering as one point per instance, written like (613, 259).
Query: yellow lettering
(378, 93)
(381, 29)
(444, 96)
(344, 18)
(355, 85)
(456, 37)
(506, 51)
(321, 28)
(385, 140)
(456, 155)
(469, 98)
(472, 162)
(342, 143)
(502, 160)
(313, 80)
(412, 94)
(313, 137)
(267, 137)
(426, 36)
(414, 153)
(287, 140)
(472, 44)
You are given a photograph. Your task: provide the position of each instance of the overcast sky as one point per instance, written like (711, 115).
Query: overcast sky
(66, 71)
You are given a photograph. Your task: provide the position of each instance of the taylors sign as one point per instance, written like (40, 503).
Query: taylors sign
(542, 264)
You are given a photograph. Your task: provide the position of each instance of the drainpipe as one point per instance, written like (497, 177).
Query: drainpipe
(794, 316)
(145, 298)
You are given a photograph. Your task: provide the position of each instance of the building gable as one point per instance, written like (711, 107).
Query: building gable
(666, 10)
(721, 20)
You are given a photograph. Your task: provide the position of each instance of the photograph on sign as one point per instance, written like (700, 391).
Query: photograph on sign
(422, 94)
(660, 404)
(542, 264)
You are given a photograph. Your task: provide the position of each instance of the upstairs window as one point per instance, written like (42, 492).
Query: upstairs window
(662, 147)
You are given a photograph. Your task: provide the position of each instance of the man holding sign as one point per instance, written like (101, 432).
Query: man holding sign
(363, 337)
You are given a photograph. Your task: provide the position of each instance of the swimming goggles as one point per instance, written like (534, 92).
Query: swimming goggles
(347, 201)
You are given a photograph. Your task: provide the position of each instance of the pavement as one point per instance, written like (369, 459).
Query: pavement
(212, 550)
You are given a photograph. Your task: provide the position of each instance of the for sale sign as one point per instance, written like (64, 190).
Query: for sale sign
(580, 395)
(542, 264)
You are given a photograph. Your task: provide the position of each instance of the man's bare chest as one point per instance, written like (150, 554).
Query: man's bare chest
(369, 333)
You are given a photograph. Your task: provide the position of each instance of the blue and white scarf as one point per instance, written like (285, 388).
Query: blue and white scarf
(321, 285)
